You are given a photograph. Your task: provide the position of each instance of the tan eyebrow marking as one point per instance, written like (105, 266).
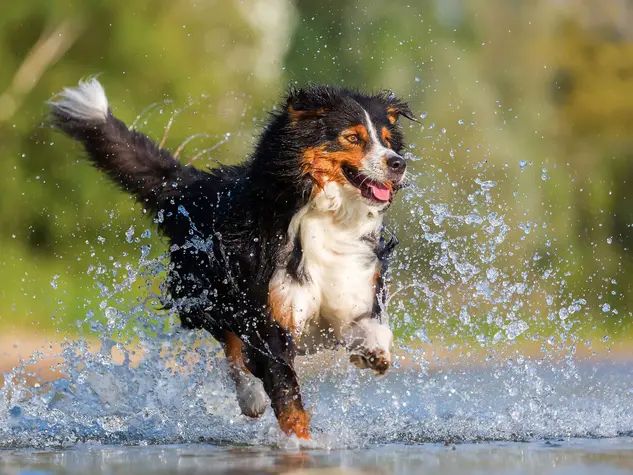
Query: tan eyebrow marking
(359, 130)
(386, 136)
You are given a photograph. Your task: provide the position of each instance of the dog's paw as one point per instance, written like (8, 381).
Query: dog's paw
(377, 360)
(251, 397)
(295, 421)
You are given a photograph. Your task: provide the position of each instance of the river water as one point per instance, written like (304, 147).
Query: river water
(575, 456)
(528, 416)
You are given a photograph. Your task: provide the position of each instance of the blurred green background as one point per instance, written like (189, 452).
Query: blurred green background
(535, 96)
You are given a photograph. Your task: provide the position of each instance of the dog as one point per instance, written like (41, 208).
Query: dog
(285, 253)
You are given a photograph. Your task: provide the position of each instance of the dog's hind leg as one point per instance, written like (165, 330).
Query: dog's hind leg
(250, 391)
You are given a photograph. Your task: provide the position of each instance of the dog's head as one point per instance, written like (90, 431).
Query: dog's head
(350, 138)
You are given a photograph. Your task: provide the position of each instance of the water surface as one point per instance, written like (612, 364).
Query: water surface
(575, 456)
(520, 417)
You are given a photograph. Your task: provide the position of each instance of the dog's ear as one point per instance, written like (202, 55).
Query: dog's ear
(402, 109)
(308, 103)
(397, 108)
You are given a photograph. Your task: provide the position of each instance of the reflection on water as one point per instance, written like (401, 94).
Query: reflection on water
(576, 456)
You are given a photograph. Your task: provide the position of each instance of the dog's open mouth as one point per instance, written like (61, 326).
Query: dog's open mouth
(370, 189)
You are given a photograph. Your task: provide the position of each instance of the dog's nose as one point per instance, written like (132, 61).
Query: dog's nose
(396, 164)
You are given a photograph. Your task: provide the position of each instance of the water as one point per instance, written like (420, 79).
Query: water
(578, 457)
(529, 417)
(526, 417)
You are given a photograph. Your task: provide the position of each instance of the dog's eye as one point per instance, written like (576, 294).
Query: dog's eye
(353, 138)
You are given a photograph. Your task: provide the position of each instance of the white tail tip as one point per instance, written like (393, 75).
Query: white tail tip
(87, 101)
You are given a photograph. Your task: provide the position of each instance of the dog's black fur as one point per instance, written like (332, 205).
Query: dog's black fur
(228, 226)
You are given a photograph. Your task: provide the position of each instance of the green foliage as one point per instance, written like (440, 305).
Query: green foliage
(495, 83)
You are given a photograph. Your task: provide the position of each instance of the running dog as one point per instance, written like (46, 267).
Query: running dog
(283, 253)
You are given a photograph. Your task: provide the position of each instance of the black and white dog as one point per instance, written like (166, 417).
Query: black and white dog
(282, 253)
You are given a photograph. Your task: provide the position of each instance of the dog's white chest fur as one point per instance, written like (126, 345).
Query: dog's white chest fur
(339, 266)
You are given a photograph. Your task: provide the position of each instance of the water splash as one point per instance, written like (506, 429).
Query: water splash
(175, 400)
(472, 287)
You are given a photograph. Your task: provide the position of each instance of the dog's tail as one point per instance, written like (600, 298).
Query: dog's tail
(130, 158)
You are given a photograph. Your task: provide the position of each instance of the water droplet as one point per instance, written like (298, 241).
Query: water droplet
(486, 185)
(129, 234)
(464, 317)
(515, 329)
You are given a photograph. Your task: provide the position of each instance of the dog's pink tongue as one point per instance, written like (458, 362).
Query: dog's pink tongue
(381, 194)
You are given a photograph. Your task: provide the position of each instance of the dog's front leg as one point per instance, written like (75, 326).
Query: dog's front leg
(369, 338)
(271, 354)
(370, 344)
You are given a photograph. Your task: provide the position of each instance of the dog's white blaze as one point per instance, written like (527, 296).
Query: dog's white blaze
(340, 267)
(377, 145)
(87, 101)
(374, 160)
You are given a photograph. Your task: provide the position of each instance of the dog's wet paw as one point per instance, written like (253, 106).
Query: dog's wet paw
(251, 397)
(376, 360)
